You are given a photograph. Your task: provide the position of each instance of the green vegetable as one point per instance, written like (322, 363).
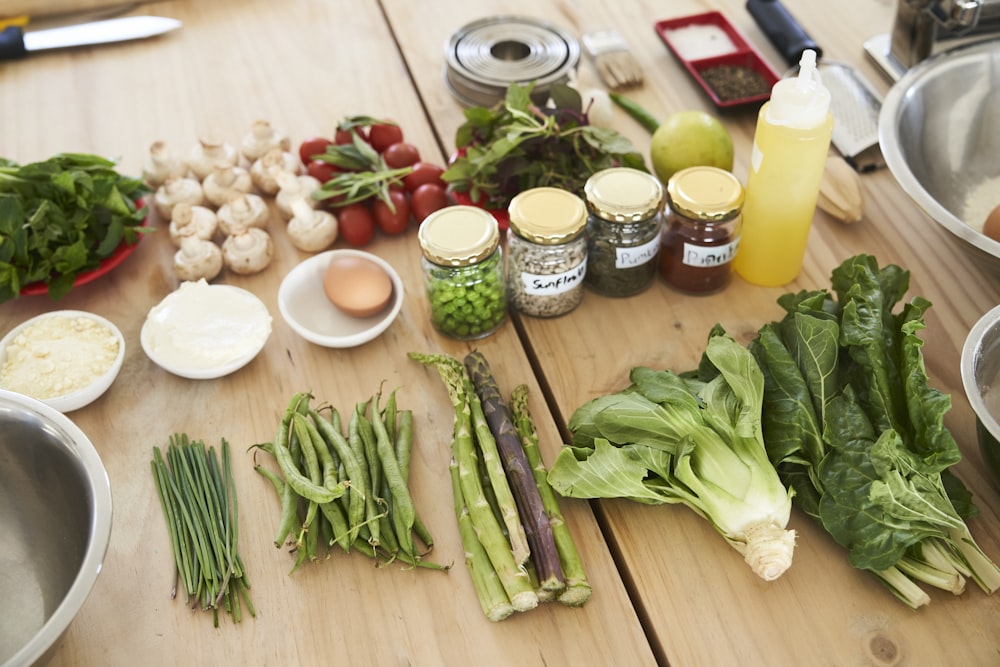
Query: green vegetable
(854, 428)
(61, 217)
(694, 440)
(517, 145)
(527, 497)
(636, 111)
(198, 498)
(468, 301)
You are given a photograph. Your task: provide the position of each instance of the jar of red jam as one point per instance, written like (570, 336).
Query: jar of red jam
(702, 230)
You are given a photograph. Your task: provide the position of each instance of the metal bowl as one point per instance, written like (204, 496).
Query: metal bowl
(55, 518)
(939, 130)
(981, 380)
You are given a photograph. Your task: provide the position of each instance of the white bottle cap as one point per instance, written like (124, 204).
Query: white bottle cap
(801, 102)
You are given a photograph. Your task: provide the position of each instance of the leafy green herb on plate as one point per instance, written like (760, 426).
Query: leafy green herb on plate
(62, 217)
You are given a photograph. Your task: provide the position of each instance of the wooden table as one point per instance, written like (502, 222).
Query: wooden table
(667, 588)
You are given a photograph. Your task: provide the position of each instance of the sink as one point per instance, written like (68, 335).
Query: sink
(939, 131)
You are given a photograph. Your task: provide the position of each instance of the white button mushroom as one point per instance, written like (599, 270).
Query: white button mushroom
(310, 229)
(292, 188)
(226, 182)
(248, 210)
(161, 164)
(188, 219)
(176, 190)
(248, 251)
(208, 153)
(266, 168)
(261, 138)
(197, 259)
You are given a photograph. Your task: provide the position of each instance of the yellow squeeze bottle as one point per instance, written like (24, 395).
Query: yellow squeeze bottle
(790, 147)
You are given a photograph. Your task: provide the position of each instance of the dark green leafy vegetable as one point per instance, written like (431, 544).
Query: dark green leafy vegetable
(61, 217)
(517, 145)
(853, 426)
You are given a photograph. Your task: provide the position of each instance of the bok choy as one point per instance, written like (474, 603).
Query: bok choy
(854, 428)
(685, 440)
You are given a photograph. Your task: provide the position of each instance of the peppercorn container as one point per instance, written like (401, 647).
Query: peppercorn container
(546, 251)
(463, 271)
(625, 208)
(702, 230)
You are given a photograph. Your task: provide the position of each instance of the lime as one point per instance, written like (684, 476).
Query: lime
(690, 139)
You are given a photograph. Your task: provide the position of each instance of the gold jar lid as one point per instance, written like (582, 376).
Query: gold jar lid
(623, 194)
(547, 216)
(458, 235)
(705, 193)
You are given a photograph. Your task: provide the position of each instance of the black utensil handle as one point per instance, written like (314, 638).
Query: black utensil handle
(782, 30)
(12, 43)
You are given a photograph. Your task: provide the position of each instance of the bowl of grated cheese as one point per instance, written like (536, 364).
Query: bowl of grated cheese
(65, 358)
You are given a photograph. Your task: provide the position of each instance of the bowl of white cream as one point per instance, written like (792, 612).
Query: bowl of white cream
(201, 331)
(65, 358)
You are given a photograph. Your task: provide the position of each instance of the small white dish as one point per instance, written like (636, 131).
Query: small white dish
(307, 310)
(202, 332)
(67, 358)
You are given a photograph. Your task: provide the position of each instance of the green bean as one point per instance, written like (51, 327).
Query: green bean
(637, 112)
(355, 472)
(302, 485)
(371, 507)
(403, 511)
(338, 522)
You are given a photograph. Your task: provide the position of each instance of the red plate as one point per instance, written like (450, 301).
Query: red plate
(111, 261)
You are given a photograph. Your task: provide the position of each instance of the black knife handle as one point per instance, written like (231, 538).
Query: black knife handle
(782, 30)
(12, 43)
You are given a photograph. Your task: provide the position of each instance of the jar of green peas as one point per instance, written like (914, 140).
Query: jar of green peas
(463, 272)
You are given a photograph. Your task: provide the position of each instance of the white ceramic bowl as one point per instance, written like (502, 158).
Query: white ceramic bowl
(78, 398)
(202, 332)
(55, 518)
(304, 305)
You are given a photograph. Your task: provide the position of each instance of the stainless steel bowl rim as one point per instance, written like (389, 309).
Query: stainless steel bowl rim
(971, 351)
(892, 106)
(100, 528)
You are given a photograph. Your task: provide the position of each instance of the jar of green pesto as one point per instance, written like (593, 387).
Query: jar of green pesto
(623, 230)
(463, 272)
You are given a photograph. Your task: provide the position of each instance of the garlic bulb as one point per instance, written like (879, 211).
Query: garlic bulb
(209, 153)
(248, 251)
(226, 182)
(261, 138)
(161, 164)
(197, 259)
(292, 188)
(187, 220)
(264, 171)
(176, 190)
(311, 230)
(249, 210)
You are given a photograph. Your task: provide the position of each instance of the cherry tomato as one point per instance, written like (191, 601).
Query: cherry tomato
(401, 154)
(426, 199)
(342, 137)
(320, 170)
(310, 148)
(356, 224)
(383, 135)
(392, 222)
(424, 172)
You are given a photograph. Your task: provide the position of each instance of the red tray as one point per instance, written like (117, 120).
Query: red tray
(708, 45)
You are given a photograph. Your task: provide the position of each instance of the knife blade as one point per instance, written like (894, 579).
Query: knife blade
(15, 42)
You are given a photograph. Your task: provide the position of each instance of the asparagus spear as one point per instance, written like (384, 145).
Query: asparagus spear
(537, 527)
(578, 589)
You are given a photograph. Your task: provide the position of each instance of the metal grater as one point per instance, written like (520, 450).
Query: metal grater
(855, 107)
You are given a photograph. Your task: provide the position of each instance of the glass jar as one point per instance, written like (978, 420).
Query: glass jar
(546, 252)
(702, 232)
(463, 271)
(626, 212)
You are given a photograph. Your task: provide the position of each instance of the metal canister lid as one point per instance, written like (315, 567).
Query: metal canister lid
(623, 194)
(458, 235)
(705, 193)
(484, 57)
(546, 215)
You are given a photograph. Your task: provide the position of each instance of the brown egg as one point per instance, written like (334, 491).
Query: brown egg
(992, 225)
(357, 286)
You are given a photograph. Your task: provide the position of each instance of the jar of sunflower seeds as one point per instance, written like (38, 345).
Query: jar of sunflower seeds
(546, 251)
